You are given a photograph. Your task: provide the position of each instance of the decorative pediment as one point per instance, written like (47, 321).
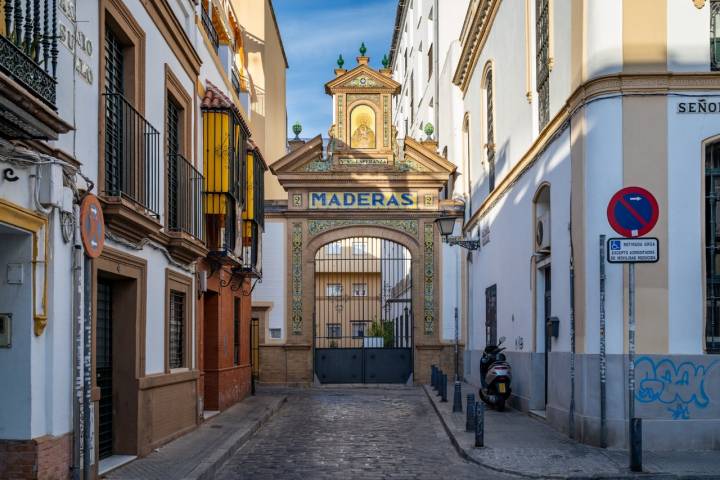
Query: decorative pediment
(360, 79)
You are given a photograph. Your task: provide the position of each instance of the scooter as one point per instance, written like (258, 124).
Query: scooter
(495, 376)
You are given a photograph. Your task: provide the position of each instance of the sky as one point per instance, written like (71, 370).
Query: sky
(314, 32)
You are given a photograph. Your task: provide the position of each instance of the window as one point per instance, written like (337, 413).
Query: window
(115, 87)
(334, 330)
(715, 35)
(176, 333)
(466, 161)
(334, 248)
(236, 332)
(712, 247)
(542, 60)
(173, 149)
(412, 98)
(430, 62)
(491, 315)
(359, 247)
(359, 327)
(275, 333)
(490, 129)
(334, 290)
(359, 290)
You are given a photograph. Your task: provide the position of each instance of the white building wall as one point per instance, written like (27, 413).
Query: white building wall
(688, 45)
(273, 286)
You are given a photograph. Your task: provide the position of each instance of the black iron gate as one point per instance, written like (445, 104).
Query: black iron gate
(363, 312)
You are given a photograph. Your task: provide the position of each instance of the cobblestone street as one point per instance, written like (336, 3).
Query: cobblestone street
(353, 433)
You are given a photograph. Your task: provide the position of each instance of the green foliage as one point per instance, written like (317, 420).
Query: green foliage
(429, 129)
(384, 330)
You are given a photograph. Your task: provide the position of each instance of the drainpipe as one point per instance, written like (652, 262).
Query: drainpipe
(77, 340)
(87, 367)
(571, 419)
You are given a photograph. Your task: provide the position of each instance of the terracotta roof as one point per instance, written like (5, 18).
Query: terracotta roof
(215, 98)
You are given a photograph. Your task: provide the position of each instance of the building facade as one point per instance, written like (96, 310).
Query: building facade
(562, 104)
(146, 105)
(354, 299)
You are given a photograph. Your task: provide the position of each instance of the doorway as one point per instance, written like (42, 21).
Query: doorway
(211, 309)
(363, 311)
(104, 367)
(547, 313)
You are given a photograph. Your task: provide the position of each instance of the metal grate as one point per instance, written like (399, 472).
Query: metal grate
(715, 35)
(491, 315)
(210, 28)
(362, 287)
(173, 147)
(542, 59)
(236, 332)
(103, 367)
(489, 120)
(176, 349)
(712, 247)
(114, 65)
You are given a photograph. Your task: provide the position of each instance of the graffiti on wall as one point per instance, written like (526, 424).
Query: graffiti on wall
(678, 386)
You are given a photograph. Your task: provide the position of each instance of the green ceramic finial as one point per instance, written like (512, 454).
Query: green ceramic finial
(340, 61)
(429, 129)
(385, 61)
(363, 49)
(297, 128)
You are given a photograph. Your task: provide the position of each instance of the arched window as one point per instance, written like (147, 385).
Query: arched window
(712, 246)
(466, 160)
(362, 127)
(490, 128)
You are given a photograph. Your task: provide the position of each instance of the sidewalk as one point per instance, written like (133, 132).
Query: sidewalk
(518, 444)
(201, 452)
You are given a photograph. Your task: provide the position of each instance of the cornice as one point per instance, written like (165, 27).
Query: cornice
(606, 86)
(475, 31)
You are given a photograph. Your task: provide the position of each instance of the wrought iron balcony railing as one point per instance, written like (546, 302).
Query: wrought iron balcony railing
(28, 45)
(132, 154)
(185, 186)
(210, 29)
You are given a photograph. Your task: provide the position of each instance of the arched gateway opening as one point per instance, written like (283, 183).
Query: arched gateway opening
(363, 325)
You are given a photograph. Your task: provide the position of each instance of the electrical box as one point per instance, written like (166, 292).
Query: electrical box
(50, 192)
(553, 325)
(5, 330)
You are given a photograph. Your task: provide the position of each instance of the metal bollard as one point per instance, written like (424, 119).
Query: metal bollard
(438, 379)
(434, 376)
(444, 387)
(636, 444)
(470, 419)
(479, 424)
(457, 397)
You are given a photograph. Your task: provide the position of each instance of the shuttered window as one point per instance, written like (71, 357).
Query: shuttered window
(490, 132)
(542, 59)
(712, 247)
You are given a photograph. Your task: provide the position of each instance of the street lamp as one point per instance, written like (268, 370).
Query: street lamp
(446, 225)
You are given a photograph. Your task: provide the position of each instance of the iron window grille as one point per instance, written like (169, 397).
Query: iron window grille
(236, 333)
(254, 222)
(712, 247)
(176, 330)
(29, 45)
(715, 35)
(490, 133)
(542, 59)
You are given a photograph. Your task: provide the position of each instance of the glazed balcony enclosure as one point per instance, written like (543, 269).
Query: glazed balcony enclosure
(253, 214)
(28, 66)
(225, 137)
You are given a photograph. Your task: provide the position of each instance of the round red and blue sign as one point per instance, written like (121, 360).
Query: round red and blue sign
(633, 212)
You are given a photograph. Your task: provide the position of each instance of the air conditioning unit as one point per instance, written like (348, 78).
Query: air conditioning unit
(542, 233)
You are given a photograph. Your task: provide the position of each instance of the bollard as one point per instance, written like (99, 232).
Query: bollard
(432, 376)
(470, 419)
(457, 397)
(636, 444)
(479, 424)
(443, 387)
(438, 379)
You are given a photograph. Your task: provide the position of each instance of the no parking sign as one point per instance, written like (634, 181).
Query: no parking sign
(633, 212)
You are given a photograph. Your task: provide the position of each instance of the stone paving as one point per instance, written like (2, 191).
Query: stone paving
(353, 433)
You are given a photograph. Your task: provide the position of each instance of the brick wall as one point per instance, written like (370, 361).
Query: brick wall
(42, 458)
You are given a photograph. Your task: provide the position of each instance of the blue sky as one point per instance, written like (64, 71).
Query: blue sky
(314, 32)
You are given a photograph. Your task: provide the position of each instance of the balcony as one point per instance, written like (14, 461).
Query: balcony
(28, 65)
(210, 28)
(130, 190)
(184, 209)
(221, 216)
